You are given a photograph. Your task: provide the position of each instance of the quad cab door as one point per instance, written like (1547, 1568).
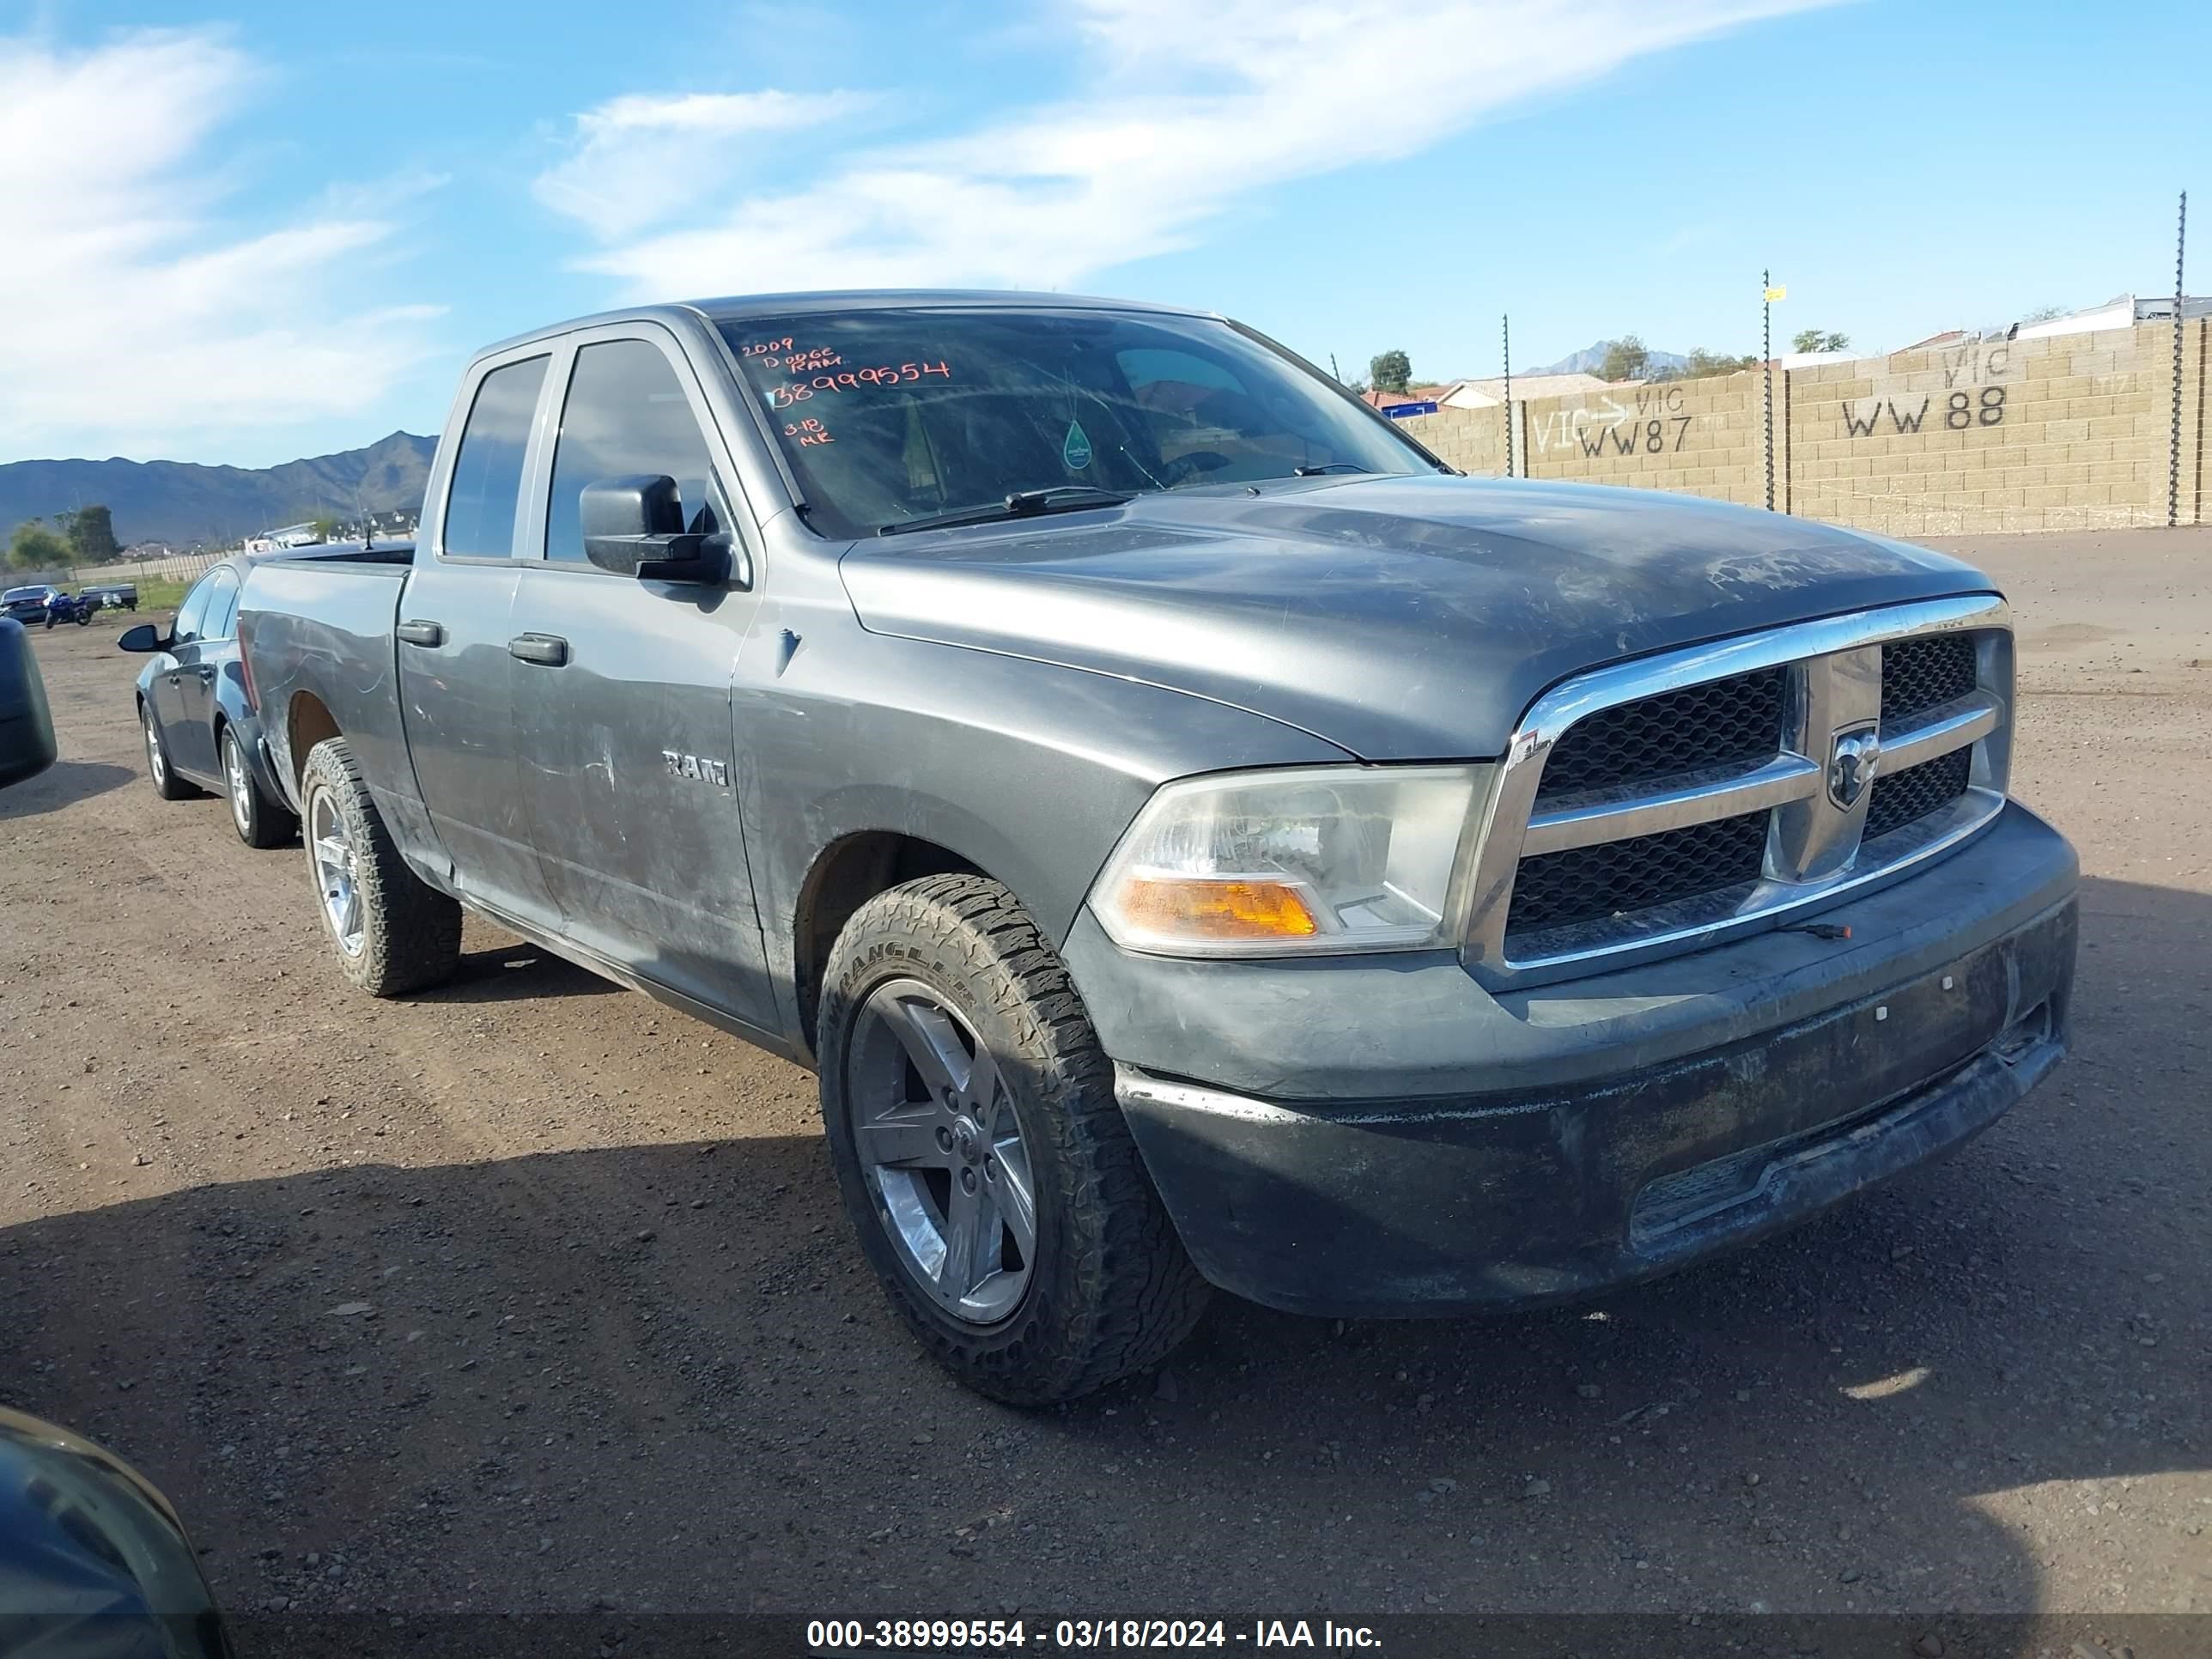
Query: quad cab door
(456, 679)
(623, 701)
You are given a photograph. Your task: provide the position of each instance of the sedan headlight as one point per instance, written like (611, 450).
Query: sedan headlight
(1265, 864)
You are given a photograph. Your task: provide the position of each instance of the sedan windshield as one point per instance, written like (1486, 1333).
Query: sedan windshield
(886, 416)
(15, 593)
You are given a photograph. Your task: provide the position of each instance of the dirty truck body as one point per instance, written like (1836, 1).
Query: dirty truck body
(1195, 835)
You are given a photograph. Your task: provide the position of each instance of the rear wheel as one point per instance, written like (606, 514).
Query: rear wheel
(167, 784)
(982, 1154)
(393, 933)
(259, 821)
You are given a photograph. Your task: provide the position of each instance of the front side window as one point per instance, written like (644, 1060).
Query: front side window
(894, 415)
(626, 415)
(487, 488)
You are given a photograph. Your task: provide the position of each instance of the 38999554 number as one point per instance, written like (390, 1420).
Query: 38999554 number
(852, 379)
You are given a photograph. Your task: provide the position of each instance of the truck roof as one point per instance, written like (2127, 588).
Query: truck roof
(737, 307)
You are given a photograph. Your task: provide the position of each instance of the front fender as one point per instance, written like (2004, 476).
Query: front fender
(1029, 771)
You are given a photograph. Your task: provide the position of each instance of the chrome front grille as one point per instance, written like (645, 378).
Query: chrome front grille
(1653, 805)
(1736, 721)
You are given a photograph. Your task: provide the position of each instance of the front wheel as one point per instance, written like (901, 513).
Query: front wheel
(980, 1152)
(392, 931)
(259, 821)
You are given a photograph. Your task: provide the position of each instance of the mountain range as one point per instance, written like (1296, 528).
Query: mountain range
(181, 502)
(1586, 361)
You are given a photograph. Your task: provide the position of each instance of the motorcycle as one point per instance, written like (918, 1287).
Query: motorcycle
(68, 607)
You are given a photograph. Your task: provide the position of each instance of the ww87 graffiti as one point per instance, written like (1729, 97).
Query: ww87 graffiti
(1656, 425)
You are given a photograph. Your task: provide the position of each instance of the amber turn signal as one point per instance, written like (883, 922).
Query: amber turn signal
(1217, 908)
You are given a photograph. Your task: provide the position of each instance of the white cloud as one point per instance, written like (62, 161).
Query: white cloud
(1183, 117)
(638, 159)
(134, 316)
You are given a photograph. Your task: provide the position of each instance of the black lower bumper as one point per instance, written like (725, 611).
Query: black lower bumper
(1436, 1205)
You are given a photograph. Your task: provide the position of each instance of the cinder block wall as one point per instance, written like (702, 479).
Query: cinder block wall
(1472, 439)
(2062, 434)
(1704, 437)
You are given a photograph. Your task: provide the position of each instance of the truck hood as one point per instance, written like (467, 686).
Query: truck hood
(1398, 618)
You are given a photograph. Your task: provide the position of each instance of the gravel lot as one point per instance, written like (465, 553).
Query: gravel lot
(530, 1295)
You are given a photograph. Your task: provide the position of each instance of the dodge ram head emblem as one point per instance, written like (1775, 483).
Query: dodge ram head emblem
(1852, 760)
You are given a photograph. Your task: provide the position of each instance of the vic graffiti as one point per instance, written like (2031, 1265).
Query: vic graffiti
(1653, 426)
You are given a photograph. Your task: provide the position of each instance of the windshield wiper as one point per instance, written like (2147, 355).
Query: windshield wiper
(1021, 504)
(1327, 466)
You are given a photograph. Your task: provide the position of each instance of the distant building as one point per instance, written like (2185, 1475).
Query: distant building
(1420, 394)
(1488, 394)
(2123, 312)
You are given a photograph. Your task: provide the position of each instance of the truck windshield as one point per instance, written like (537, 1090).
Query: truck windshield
(890, 415)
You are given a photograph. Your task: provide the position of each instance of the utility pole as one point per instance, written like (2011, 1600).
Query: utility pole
(1505, 332)
(2173, 437)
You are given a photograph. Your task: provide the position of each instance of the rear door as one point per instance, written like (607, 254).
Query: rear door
(188, 752)
(456, 684)
(199, 665)
(624, 726)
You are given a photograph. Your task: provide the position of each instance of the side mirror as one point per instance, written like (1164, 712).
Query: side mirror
(634, 527)
(144, 637)
(27, 730)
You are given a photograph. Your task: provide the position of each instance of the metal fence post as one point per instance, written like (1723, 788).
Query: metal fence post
(1766, 371)
(1505, 328)
(2174, 439)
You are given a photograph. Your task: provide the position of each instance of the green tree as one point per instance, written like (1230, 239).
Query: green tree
(1813, 339)
(1391, 371)
(36, 548)
(325, 528)
(1625, 359)
(91, 531)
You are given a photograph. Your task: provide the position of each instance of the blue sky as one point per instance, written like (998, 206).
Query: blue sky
(275, 229)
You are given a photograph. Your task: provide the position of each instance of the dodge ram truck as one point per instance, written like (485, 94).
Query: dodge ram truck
(1196, 837)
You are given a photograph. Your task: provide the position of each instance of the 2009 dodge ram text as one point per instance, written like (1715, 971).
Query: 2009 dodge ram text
(1196, 836)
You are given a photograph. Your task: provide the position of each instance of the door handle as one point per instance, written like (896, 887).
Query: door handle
(546, 650)
(421, 632)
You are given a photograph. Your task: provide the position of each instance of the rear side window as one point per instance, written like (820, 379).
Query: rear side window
(626, 415)
(480, 508)
(221, 618)
(191, 615)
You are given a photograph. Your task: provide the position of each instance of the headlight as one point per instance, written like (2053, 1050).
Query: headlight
(1264, 863)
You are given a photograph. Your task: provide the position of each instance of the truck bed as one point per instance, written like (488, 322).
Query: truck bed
(335, 613)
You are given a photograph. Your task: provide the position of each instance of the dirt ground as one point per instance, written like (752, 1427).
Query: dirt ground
(528, 1294)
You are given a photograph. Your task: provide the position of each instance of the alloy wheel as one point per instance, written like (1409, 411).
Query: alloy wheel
(241, 783)
(940, 1147)
(336, 873)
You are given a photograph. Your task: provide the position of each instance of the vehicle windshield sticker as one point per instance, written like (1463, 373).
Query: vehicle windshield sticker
(1075, 448)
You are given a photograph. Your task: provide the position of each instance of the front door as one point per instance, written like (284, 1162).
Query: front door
(456, 685)
(629, 776)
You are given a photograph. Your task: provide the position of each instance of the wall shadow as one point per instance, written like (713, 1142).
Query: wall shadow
(63, 784)
(660, 1376)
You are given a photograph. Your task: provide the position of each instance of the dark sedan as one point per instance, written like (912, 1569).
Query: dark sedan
(197, 712)
(29, 604)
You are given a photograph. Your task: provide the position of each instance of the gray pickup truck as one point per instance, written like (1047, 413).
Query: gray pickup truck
(1196, 837)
